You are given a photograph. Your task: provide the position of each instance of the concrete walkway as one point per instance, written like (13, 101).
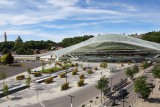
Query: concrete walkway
(51, 91)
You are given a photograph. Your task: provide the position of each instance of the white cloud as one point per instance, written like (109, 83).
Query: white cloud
(62, 3)
(49, 13)
(4, 3)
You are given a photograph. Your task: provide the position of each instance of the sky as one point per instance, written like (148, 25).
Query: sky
(58, 19)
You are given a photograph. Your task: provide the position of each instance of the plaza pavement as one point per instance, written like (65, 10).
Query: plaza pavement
(50, 91)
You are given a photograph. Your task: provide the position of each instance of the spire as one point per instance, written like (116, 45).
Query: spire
(5, 37)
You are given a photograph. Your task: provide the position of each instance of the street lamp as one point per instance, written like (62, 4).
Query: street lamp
(71, 99)
(90, 102)
(111, 83)
(123, 101)
(101, 89)
(66, 76)
(90, 77)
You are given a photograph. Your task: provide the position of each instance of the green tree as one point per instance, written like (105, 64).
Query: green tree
(29, 71)
(103, 65)
(102, 85)
(72, 41)
(6, 90)
(7, 59)
(5, 51)
(28, 82)
(3, 76)
(141, 87)
(129, 72)
(156, 71)
(135, 69)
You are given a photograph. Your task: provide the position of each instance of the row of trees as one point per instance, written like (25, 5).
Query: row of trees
(27, 47)
(140, 84)
(150, 36)
(72, 41)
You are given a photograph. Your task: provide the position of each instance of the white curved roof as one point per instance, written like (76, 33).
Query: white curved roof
(97, 40)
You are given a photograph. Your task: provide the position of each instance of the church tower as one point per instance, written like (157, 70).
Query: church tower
(5, 37)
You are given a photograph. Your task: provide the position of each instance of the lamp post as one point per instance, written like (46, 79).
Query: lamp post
(71, 99)
(111, 83)
(123, 101)
(66, 76)
(90, 102)
(37, 95)
(90, 77)
(101, 89)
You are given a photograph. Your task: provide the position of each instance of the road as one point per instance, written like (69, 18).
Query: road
(81, 96)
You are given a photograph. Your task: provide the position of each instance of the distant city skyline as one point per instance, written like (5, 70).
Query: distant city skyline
(58, 19)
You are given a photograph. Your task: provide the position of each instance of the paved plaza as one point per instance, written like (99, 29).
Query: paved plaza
(45, 92)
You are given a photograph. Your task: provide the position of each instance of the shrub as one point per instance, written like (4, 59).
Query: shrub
(49, 80)
(122, 65)
(64, 86)
(62, 75)
(84, 68)
(73, 65)
(81, 76)
(37, 74)
(74, 72)
(51, 70)
(76, 64)
(69, 65)
(80, 82)
(103, 65)
(63, 67)
(90, 71)
(95, 68)
(20, 77)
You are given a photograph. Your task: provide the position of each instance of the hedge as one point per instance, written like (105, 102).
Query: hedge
(64, 86)
(90, 71)
(81, 76)
(80, 82)
(49, 80)
(51, 70)
(62, 75)
(84, 68)
(37, 74)
(20, 77)
(95, 68)
(74, 72)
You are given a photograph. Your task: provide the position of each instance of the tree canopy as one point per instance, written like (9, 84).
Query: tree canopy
(153, 36)
(72, 41)
(141, 87)
(156, 71)
(102, 84)
(27, 47)
(7, 59)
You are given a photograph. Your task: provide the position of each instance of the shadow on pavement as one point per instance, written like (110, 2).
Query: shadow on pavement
(154, 100)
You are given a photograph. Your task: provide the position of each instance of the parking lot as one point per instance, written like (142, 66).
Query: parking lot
(14, 70)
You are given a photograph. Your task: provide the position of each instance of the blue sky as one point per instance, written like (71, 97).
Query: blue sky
(58, 19)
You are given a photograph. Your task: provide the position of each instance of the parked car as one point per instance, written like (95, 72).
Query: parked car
(33, 72)
(122, 93)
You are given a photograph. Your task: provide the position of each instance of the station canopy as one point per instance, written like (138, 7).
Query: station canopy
(109, 42)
